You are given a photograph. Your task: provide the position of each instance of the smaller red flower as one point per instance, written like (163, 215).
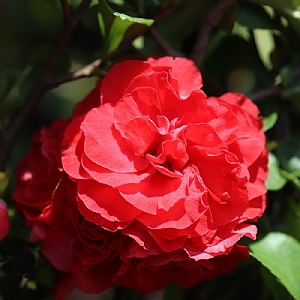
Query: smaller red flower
(37, 175)
(87, 254)
(4, 220)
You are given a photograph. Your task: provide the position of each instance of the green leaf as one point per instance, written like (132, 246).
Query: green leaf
(270, 121)
(120, 25)
(277, 289)
(117, 27)
(105, 18)
(275, 180)
(265, 44)
(279, 253)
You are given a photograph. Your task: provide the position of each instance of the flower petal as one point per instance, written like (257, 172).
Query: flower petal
(158, 192)
(184, 71)
(104, 145)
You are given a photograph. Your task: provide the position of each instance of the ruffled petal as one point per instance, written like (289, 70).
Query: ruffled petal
(104, 145)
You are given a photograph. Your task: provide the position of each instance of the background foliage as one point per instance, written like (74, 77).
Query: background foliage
(51, 53)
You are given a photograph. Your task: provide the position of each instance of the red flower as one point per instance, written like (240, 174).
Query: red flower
(88, 253)
(156, 184)
(177, 172)
(37, 175)
(4, 220)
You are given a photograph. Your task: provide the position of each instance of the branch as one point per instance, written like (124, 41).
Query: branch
(161, 42)
(167, 10)
(10, 134)
(67, 11)
(210, 21)
(274, 90)
(87, 71)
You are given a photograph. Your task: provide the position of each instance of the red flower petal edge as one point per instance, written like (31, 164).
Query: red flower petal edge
(4, 220)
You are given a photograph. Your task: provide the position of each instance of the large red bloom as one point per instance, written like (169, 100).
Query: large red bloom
(37, 175)
(158, 182)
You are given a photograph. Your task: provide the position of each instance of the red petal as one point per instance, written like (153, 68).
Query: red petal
(72, 147)
(118, 79)
(95, 279)
(213, 112)
(100, 203)
(142, 102)
(104, 145)
(4, 220)
(159, 192)
(184, 71)
(241, 100)
(60, 240)
(203, 135)
(142, 135)
(114, 179)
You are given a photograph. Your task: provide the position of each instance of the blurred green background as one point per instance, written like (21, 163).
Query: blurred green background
(253, 48)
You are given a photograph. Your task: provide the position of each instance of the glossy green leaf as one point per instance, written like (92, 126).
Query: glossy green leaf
(121, 25)
(277, 289)
(279, 253)
(270, 121)
(105, 18)
(114, 26)
(265, 44)
(275, 180)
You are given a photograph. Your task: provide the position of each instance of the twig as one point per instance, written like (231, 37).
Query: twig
(274, 90)
(9, 136)
(67, 11)
(161, 42)
(87, 71)
(210, 21)
(167, 10)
